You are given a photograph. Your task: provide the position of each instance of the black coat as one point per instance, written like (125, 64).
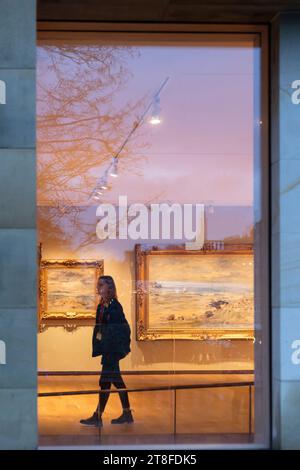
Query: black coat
(115, 333)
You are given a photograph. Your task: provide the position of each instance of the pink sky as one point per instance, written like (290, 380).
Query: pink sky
(203, 149)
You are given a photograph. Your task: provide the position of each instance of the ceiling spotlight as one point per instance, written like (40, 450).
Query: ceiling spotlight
(114, 170)
(103, 183)
(155, 118)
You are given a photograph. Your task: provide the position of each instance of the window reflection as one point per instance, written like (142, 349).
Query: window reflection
(150, 124)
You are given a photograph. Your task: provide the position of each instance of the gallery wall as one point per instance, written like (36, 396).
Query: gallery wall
(61, 350)
(180, 161)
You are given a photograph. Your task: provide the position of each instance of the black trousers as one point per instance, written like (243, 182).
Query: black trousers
(111, 375)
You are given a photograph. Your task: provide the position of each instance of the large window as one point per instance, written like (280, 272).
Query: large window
(152, 170)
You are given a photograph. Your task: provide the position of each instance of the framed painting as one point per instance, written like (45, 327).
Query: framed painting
(68, 289)
(204, 294)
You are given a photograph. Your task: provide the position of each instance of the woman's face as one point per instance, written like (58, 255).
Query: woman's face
(102, 287)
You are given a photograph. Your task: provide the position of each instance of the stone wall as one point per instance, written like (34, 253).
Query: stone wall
(18, 416)
(285, 227)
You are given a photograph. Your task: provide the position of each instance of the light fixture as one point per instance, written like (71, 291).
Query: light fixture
(103, 182)
(155, 118)
(114, 169)
(97, 193)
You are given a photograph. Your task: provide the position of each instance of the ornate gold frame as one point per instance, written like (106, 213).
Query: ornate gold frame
(63, 318)
(142, 258)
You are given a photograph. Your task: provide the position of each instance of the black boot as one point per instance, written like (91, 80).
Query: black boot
(126, 417)
(92, 421)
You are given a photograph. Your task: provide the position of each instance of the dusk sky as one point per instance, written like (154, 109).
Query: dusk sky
(202, 152)
(205, 139)
(203, 149)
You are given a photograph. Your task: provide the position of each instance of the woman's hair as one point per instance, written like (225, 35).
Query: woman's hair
(112, 290)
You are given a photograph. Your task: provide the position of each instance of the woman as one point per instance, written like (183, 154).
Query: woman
(111, 339)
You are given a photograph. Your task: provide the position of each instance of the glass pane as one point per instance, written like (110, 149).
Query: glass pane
(149, 171)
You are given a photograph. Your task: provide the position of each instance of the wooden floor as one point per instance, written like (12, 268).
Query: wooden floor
(214, 415)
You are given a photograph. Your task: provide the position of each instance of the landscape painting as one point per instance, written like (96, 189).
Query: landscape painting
(68, 289)
(71, 290)
(197, 295)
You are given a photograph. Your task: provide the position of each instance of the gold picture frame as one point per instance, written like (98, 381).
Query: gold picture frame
(68, 291)
(230, 298)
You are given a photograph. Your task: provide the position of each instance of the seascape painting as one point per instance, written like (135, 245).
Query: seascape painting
(201, 291)
(71, 290)
(67, 289)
